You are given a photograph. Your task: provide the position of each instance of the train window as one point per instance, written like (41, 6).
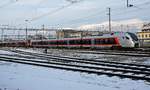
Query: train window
(86, 41)
(72, 42)
(98, 41)
(139, 36)
(58, 42)
(127, 37)
(133, 36)
(49, 42)
(65, 42)
(146, 35)
(111, 41)
(78, 41)
(40, 43)
(75, 42)
(45, 42)
(33, 43)
(53, 42)
(105, 41)
(62, 42)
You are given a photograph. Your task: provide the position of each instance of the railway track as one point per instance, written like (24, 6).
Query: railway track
(66, 58)
(126, 70)
(116, 52)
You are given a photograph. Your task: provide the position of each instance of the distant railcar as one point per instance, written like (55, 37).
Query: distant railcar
(20, 43)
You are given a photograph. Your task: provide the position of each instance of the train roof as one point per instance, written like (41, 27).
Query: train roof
(101, 35)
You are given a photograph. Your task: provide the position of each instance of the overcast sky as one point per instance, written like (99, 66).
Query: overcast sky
(15, 12)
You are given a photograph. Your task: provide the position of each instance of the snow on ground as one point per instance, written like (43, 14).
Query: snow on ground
(30, 50)
(6, 52)
(26, 77)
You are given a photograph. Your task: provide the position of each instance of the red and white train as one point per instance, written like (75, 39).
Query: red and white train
(107, 40)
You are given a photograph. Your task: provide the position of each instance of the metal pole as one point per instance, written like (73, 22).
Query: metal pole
(81, 38)
(109, 14)
(18, 35)
(26, 30)
(43, 31)
(127, 3)
(36, 34)
(2, 35)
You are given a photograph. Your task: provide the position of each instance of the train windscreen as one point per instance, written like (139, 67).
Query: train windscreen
(133, 36)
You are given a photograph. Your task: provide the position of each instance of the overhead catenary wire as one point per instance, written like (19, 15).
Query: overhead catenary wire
(86, 18)
(129, 10)
(30, 20)
(100, 13)
(56, 10)
(8, 3)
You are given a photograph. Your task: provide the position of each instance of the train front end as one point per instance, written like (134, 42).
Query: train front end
(134, 40)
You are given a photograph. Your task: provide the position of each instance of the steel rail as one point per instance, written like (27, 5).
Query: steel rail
(85, 66)
(97, 62)
(77, 68)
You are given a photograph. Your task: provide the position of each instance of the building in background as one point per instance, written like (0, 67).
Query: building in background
(144, 35)
(72, 33)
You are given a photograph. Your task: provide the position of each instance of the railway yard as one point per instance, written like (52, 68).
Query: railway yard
(67, 68)
(75, 45)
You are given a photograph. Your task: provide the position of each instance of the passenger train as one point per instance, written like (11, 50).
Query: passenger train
(106, 40)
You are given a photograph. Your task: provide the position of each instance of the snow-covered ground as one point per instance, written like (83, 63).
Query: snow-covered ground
(25, 77)
(6, 52)
(15, 76)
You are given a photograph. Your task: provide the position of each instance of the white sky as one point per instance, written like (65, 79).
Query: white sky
(86, 12)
